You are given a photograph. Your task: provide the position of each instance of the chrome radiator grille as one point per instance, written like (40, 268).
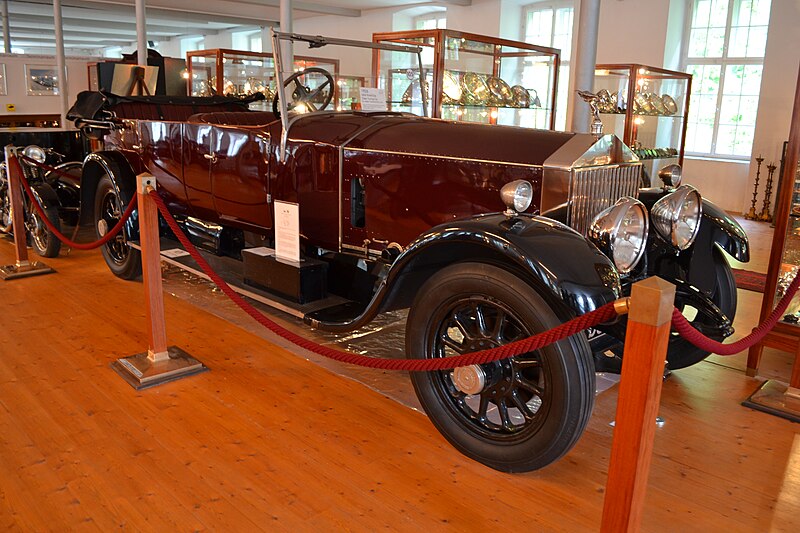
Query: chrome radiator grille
(593, 189)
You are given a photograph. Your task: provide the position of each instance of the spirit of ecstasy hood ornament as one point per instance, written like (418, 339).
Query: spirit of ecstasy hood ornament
(592, 99)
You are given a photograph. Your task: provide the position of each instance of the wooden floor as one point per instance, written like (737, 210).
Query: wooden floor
(269, 441)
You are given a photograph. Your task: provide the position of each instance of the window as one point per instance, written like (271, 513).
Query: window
(550, 24)
(725, 55)
(246, 40)
(191, 43)
(436, 20)
(113, 51)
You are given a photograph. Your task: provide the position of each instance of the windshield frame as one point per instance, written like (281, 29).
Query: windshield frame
(318, 41)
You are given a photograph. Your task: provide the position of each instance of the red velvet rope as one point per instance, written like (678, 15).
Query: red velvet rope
(685, 329)
(591, 319)
(63, 238)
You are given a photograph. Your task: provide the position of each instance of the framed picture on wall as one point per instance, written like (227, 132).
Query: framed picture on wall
(41, 80)
(3, 88)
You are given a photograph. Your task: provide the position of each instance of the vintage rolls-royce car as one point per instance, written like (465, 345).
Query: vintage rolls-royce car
(487, 234)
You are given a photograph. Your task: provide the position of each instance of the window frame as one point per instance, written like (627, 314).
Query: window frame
(723, 62)
(431, 15)
(564, 64)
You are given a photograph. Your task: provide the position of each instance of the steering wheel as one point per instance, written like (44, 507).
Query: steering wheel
(313, 99)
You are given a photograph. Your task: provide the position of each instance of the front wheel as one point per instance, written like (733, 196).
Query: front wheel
(123, 260)
(43, 241)
(514, 415)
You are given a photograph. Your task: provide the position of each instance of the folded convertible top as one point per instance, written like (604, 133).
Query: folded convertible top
(91, 104)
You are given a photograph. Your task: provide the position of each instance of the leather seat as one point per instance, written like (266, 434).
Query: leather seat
(234, 118)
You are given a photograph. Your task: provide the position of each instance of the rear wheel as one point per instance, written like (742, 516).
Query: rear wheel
(124, 261)
(515, 415)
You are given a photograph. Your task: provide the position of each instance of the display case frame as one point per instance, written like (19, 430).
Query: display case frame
(437, 39)
(784, 260)
(219, 55)
(638, 75)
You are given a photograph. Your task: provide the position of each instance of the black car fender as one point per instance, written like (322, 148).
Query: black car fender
(695, 265)
(570, 273)
(45, 195)
(123, 178)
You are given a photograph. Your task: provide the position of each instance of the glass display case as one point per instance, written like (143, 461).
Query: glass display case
(471, 77)
(647, 108)
(784, 261)
(242, 73)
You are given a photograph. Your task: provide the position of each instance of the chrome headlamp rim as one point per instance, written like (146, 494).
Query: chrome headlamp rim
(35, 152)
(517, 196)
(666, 214)
(671, 175)
(605, 228)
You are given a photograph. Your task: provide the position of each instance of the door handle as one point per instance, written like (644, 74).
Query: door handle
(211, 157)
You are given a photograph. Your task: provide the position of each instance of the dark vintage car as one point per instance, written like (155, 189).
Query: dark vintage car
(406, 212)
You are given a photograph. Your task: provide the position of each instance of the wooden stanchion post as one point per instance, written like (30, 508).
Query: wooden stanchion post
(23, 267)
(646, 343)
(159, 363)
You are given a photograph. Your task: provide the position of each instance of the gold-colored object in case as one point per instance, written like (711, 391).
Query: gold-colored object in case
(670, 107)
(474, 89)
(451, 89)
(500, 91)
(520, 96)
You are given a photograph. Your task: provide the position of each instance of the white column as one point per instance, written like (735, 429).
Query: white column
(585, 60)
(141, 34)
(6, 31)
(287, 47)
(61, 63)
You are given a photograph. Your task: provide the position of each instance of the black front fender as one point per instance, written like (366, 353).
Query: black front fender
(570, 273)
(725, 231)
(695, 265)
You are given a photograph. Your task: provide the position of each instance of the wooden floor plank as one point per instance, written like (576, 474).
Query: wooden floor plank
(269, 441)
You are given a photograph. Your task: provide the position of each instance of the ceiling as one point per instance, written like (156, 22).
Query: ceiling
(92, 24)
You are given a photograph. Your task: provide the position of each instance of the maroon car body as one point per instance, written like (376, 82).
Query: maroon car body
(406, 212)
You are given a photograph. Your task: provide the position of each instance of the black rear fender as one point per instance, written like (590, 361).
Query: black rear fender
(123, 178)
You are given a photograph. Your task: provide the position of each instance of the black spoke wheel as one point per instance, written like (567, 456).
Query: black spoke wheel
(513, 415)
(314, 99)
(681, 353)
(42, 240)
(124, 261)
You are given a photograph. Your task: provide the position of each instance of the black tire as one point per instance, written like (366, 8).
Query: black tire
(123, 260)
(555, 385)
(681, 353)
(42, 240)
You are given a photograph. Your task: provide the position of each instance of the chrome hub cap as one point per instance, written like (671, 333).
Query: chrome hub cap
(469, 379)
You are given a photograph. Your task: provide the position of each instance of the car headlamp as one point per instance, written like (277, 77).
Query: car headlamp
(676, 216)
(671, 175)
(34, 152)
(517, 196)
(621, 232)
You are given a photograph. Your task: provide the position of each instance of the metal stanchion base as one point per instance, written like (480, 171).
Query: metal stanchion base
(777, 399)
(141, 373)
(34, 268)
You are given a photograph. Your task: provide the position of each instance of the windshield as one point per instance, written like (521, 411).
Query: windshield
(330, 74)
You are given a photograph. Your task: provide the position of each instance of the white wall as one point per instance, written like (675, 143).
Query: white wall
(626, 37)
(631, 31)
(77, 80)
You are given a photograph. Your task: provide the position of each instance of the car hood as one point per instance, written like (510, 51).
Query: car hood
(409, 134)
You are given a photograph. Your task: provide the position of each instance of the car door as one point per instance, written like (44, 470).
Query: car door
(239, 177)
(197, 157)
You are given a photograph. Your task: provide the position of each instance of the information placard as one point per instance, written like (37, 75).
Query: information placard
(287, 231)
(373, 99)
